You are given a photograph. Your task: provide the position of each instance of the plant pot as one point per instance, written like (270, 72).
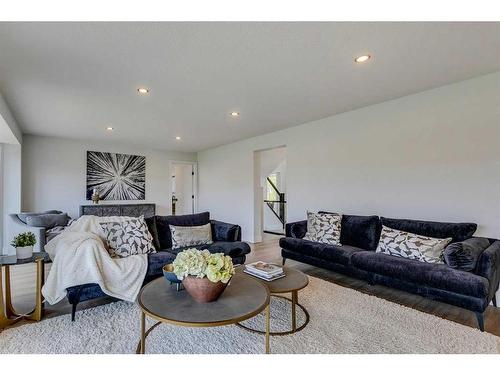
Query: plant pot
(203, 290)
(24, 252)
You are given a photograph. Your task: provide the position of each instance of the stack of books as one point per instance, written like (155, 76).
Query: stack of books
(264, 271)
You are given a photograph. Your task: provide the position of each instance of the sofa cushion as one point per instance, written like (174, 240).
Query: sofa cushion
(457, 231)
(433, 275)
(233, 249)
(163, 229)
(411, 246)
(331, 253)
(190, 236)
(464, 255)
(360, 231)
(151, 223)
(323, 227)
(128, 237)
(48, 221)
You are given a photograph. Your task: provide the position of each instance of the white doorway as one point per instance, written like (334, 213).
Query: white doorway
(270, 192)
(183, 187)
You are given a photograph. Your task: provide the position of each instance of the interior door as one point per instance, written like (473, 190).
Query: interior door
(183, 189)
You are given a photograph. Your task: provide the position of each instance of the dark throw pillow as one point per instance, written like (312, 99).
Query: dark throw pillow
(360, 231)
(465, 255)
(151, 223)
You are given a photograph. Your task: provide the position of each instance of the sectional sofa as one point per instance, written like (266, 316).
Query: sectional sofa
(472, 290)
(226, 239)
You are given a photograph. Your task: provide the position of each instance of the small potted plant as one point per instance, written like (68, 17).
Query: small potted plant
(203, 274)
(24, 243)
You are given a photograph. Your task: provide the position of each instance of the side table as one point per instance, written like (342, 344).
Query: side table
(294, 281)
(8, 315)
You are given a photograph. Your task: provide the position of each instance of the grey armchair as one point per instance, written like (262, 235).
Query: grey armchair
(45, 225)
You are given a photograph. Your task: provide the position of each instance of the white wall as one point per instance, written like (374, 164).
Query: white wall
(433, 155)
(11, 190)
(9, 129)
(10, 172)
(54, 173)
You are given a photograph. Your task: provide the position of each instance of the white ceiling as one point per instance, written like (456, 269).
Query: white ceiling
(74, 79)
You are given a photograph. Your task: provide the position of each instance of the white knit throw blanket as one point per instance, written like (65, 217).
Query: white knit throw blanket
(79, 257)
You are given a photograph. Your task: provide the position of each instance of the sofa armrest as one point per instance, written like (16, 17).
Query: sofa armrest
(225, 231)
(234, 248)
(297, 229)
(489, 267)
(17, 227)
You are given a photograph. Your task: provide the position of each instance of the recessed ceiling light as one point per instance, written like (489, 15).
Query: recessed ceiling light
(178, 138)
(362, 58)
(235, 114)
(143, 90)
(109, 128)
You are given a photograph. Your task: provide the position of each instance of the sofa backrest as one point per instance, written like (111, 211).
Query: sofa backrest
(457, 231)
(164, 238)
(24, 215)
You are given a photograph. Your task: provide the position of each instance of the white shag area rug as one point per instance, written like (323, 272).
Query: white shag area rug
(342, 321)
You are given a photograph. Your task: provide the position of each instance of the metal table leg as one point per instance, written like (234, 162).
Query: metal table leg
(294, 315)
(143, 333)
(37, 313)
(5, 320)
(268, 327)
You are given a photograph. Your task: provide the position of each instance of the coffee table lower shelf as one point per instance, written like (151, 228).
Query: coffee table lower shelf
(294, 328)
(141, 346)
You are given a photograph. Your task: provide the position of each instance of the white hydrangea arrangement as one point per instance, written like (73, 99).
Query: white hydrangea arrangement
(201, 263)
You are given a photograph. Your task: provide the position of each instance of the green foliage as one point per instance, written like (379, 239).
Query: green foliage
(24, 239)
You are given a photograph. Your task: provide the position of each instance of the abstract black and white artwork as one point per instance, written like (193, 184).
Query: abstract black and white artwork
(116, 176)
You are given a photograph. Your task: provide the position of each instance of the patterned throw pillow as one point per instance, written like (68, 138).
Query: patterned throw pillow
(130, 237)
(411, 246)
(191, 236)
(324, 228)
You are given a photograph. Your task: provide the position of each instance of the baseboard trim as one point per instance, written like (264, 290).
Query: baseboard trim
(276, 233)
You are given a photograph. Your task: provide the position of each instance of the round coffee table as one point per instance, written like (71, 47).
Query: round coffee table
(243, 298)
(294, 281)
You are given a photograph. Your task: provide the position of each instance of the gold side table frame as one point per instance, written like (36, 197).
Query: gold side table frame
(295, 303)
(141, 347)
(8, 315)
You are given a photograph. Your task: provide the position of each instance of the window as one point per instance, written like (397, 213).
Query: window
(271, 194)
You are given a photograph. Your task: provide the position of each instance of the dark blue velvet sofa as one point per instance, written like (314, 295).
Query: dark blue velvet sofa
(226, 239)
(356, 257)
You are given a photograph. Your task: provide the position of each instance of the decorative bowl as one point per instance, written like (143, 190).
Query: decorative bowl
(168, 272)
(202, 289)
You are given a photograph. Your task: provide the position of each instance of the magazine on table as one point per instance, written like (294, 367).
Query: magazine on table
(272, 278)
(264, 269)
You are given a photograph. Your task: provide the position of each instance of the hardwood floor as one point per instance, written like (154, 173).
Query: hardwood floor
(23, 293)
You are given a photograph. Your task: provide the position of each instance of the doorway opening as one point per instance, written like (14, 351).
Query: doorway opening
(183, 187)
(270, 192)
